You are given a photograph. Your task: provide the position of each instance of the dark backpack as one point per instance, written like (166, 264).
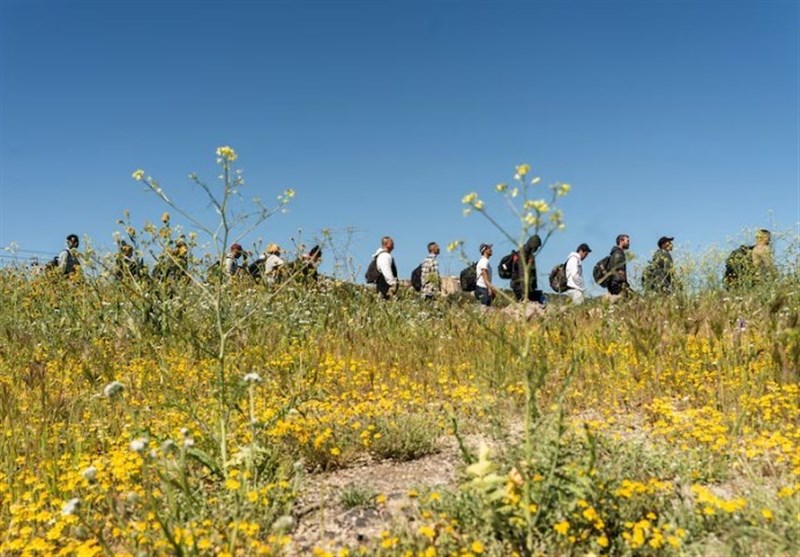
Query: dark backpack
(469, 278)
(256, 269)
(371, 276)
(505, 269)
(558, 278)
(601, 273)
(416, 278)
(739, 264)
(51, 265)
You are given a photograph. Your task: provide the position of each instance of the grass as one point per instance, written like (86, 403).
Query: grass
(656, 426)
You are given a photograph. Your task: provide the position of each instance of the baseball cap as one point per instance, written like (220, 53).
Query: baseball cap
(484, 247)
(664, 239)
(584, 247)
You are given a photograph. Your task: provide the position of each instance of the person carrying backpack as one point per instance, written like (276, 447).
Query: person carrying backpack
(273, 263)
(232, 266)
(659, 275)
(431, 282)
(617, 282)
(126, 264)
(484, 289)
(526, 259)
(68, 262)
(574, 271)
(386, 280)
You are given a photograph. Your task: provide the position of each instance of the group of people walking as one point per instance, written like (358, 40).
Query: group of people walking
(744, 266)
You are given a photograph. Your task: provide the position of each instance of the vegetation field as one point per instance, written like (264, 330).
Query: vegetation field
(183, 414)
(658, 426)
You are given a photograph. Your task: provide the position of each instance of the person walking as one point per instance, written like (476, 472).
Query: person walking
(617, 283)
(386, 282)
(526, 259)
(659, 275)
(576, 288)
(274, 263)
(126, 264)
(431, 281)
(484, 290)
(232, 266)
(68, 261)
(763, 262)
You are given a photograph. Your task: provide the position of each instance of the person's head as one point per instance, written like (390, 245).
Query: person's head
(315, 253)
(533, 244)
(763, 237)
(486, 250)
(72, 241)
(433, 248)
(623, 241)
(665, 243)
(236, 250)
(273, 249)
(584, 250)
(387, 243)
(180, 247)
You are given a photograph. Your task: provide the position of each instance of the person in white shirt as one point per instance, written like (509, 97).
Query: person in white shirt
(574, 268)
(484, 290)
(387, 283)
(273, 265)
(232, 266)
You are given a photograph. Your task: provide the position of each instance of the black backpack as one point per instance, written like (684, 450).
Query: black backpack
(505, 269)
(256, 269)
(558, 278)
(371, 276)
(739, 264)
(469, 278)
(416, 278)
(601, 273)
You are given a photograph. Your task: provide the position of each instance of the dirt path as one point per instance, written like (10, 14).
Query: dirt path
(324, 521)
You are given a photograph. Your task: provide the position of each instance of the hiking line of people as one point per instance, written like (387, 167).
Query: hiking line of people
(744, 266)
(173, 262)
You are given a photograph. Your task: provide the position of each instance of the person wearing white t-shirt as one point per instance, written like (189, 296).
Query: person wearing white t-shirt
(574, 270)
(387, 283)
(484, 290)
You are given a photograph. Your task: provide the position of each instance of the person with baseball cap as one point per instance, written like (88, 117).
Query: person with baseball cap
(232, 266)
(484, 290)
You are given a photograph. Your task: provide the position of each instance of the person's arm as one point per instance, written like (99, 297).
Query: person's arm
(617, 264)
(385, 268)
(485, 274)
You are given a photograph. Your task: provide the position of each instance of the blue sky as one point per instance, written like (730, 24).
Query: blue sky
(667, 118)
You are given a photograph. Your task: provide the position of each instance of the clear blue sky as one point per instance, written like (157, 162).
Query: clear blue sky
(668, 118)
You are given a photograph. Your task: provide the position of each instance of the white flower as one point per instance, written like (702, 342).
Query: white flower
(283, 524)
(188, 442)
(168, 446)
(139, 445)
(113, 389)
(90, 473)
(252, 377)
(71, 506)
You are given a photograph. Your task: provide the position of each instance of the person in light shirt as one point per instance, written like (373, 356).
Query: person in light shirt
(576, 288)
(484, 290)
(387, 283)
